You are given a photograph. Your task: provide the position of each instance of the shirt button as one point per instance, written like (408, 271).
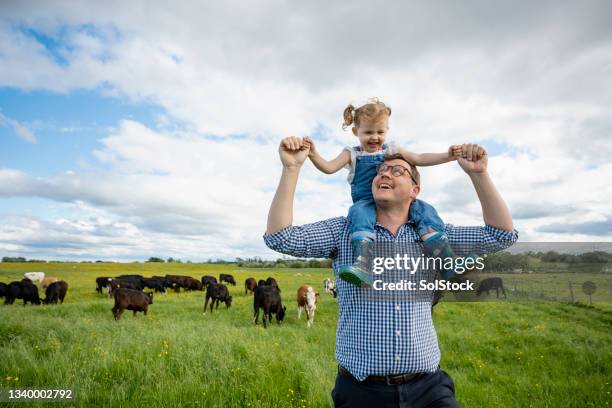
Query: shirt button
(397, 307)
(397, 357)
(397, 333)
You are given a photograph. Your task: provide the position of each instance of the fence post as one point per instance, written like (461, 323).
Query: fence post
(571, 291)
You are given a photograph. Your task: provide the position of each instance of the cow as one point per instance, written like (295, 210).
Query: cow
(223, 277)
(179, 281)
(131, 299)
(268, 298)
(307, 299)
(157, 284)
(48, 281)
(261, 282)
(102, 282)
(207, 280)
(3, 289)
(217, 292)
(489, 284)
(35, 277)
(117, 283)
(56, 291)
(272, 282)
(23, 289)
(250, 284)
(190, 283)
(328, 284)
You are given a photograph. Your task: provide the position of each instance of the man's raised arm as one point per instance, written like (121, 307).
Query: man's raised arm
(494, 210)
(293, 152)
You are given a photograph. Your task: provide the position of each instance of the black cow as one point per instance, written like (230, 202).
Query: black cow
(102, 282)
(268, 298)
(190, 283)
(272, 282)
(156, 283)
(261, 282)
(130, 299)
(56, 291)
(116, 283)
(489, 284)
(138, 278)
(223, 277)
(207, 280)
(250, 284)
(217, 293)
(23, 289)
(3, 289)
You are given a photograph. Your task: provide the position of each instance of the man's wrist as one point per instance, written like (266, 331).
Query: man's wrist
(479, 176)
(292, 168)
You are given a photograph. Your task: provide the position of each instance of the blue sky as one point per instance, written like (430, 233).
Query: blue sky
(149, 130)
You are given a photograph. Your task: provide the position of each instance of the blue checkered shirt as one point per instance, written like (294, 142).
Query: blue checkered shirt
(379, 338)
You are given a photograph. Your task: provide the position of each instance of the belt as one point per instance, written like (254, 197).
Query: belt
(395, 379)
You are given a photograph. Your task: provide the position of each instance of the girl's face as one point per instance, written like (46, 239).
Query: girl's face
(372, 134)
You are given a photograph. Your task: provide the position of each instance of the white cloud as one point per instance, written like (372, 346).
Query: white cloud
(21, 130)
(535, 80)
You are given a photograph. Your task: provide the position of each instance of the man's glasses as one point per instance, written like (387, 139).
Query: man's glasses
(396, 170)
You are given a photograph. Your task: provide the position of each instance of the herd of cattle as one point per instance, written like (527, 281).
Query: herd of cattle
(128, 292)
(27, 289)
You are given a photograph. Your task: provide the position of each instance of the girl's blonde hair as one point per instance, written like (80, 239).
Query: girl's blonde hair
(373, 110)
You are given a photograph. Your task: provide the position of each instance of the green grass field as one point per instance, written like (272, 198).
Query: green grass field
(500, 354)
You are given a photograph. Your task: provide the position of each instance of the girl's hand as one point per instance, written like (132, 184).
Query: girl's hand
(472, 151)
(455, 151)
(310, 143)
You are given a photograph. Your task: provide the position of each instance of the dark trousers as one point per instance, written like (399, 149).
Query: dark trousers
(431, 390)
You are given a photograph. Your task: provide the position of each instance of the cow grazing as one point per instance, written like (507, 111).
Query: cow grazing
(307, 299)
(207, 280)
(130, 299)
(23, 289)
(56, 291)
(35, 277)
(268, 298)
(155, 283)
(190, 283)
(3, 289)
(272, 282)
(489, 284)
(117, 283)
(250, 284)
(217, 292)
(223, 277)
(328, 284)
(48, 281)
(102, 282)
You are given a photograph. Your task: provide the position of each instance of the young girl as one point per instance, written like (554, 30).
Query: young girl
(370, 125)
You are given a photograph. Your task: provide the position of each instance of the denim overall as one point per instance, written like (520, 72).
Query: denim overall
(362, 214)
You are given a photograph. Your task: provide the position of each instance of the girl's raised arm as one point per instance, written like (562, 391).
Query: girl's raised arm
(327, 167)
(431, 159)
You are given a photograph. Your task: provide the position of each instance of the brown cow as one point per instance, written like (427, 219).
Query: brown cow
(131, 299)
(307, 299)
(48, 281)
(250, 284)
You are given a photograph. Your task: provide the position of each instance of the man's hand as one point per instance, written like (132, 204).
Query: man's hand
(474, 158)
(293, 151)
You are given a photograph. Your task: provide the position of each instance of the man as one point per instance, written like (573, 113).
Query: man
(387, 352)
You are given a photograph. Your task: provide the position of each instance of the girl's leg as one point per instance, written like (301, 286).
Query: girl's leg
(362, 217)
(431, 229)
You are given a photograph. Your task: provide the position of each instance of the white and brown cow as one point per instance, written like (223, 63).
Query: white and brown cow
(48, 281)
(35, 277)
(307, 299)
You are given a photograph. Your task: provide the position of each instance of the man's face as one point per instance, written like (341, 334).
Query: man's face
(390, 189)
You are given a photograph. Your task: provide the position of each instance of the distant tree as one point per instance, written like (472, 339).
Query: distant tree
(155, 259)
(17, 259)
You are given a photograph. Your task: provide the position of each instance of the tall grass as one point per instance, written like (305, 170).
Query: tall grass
(500, 354)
